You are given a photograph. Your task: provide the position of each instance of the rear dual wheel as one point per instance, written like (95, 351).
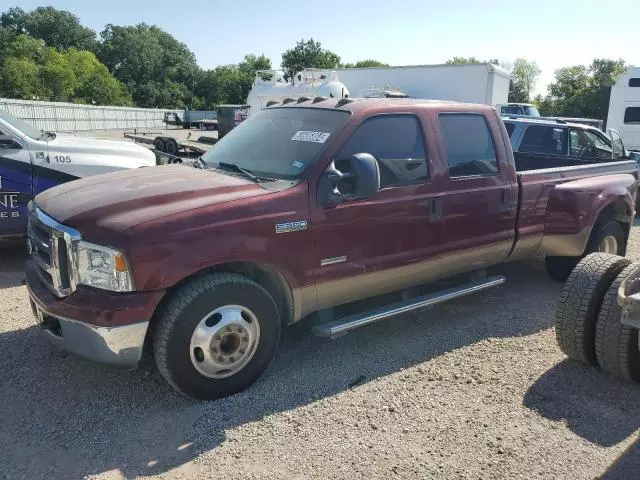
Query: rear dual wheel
(588, 318)
(616, 344)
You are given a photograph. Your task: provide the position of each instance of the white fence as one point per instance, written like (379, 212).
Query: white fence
(70, 117)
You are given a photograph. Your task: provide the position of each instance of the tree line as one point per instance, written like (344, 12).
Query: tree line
(577, 91)
(48, 54)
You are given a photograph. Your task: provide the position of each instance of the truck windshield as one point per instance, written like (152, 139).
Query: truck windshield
(531, 111)
(22, 127)
(278, 143)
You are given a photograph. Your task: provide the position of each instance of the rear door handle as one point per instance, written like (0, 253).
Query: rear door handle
(435, 209)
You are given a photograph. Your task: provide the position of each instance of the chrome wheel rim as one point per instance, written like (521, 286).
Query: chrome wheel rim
(609, 244)
(224, 341)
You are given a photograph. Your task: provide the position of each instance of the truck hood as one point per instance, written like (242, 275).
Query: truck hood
(113, 148)
(121, 200)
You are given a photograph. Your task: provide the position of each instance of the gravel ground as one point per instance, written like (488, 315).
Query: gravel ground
(474, 389)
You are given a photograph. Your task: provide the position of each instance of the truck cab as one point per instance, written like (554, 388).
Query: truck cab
(32, 160)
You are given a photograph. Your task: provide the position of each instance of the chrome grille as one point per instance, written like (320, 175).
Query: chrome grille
(50, 246)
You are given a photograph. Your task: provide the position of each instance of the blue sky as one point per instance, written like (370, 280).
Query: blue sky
(403, 32)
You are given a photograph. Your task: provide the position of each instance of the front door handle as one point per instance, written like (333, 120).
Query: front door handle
(505, 199)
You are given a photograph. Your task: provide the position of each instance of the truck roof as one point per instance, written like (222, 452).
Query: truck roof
(358, 104)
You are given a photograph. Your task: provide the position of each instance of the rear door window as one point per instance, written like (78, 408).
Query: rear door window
(543, 139)
(469, 145)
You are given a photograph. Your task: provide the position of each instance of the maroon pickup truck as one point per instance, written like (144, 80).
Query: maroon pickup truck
(305, 208)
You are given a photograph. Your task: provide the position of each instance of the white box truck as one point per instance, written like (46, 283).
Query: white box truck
(624, 108)
(476, 83)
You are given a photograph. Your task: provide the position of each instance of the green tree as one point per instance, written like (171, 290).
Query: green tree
(57, 76)
(364, 64)
(524, 76)
(229, 83)
(157, 69)
(57, 28)
(25, 46)
(19, 78)
(582, 91)
(309, 54)
(20, 66)
(94, 83)
(14, 20)
(6, 37)
(29, 69)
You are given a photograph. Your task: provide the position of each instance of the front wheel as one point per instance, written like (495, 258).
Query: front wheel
(216, 336)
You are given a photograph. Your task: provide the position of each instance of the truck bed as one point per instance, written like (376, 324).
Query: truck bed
(526, 162)
(556, 205)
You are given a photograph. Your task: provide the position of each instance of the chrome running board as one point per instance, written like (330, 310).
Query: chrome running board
(345, 324)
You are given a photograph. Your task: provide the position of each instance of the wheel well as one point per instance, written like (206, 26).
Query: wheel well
(617, 211)
(268, 277)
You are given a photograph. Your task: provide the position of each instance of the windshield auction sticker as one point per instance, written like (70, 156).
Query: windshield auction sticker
(306, 136)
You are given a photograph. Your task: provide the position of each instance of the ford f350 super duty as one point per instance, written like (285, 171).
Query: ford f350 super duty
(305, 208)
(32, 160)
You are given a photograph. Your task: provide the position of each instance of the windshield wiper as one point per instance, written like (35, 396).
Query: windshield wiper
(239, 169)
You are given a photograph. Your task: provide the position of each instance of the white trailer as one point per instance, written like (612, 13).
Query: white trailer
(624, 108)
(477, 83)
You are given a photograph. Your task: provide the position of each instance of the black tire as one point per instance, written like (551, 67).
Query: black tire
(171, 146)
(158, 144)
(579, 304)
(188, 306)
(617, 348)
(559, 268)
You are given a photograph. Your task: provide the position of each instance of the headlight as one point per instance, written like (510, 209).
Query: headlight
(102, 267)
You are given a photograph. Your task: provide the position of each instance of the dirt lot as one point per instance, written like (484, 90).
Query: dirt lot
(474, 389)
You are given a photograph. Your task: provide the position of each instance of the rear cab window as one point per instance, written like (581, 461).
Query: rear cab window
(469, 145)
(510, 128)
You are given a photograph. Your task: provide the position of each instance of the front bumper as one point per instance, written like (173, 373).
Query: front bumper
(101, 326)
(629, 299)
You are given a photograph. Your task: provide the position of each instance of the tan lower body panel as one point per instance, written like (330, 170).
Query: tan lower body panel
(344, 290)
(566, 245)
